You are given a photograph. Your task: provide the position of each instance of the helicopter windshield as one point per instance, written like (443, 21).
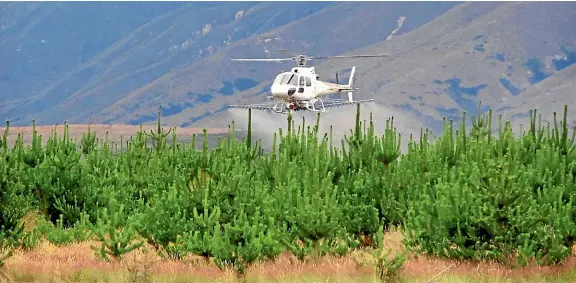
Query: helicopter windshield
(279, 79)
(287, 79)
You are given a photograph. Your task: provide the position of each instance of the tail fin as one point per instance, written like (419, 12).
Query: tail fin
(351, 80)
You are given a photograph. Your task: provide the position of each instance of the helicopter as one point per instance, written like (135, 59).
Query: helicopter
(301, 89)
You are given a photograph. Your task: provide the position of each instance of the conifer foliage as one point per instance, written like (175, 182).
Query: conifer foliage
(469, 195)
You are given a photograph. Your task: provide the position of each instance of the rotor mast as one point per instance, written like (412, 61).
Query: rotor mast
(301, 60)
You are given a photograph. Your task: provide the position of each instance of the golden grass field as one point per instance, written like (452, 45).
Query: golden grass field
(78, 263)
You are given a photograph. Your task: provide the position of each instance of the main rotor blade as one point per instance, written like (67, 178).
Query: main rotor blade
(262, 60)
(350, 56)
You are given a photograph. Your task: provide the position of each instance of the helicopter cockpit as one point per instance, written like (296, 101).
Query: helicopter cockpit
(293, 79)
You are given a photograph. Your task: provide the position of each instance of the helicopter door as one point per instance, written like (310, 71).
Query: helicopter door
(301, 84)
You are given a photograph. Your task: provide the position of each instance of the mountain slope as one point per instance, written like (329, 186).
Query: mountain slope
(446, 57)
(179, 57)
(548, 96)
(318, 34)
(499, 53)
(40, 42)
(134, 55)
(493, 52)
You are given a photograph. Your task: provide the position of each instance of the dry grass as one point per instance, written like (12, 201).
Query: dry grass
(115, 132)
(77, 263)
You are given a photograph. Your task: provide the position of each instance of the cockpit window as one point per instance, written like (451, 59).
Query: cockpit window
(302, 80)
(308, 81)
(284, 79)
(279, 78)
(293, 80)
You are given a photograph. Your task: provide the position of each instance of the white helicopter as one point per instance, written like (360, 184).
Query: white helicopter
(301, 89)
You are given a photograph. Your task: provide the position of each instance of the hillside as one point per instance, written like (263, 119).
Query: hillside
(446, 57)
(60, 70)
(500, 53)
(503, 54)
(176, 55)
(45, 45)
(547, 97)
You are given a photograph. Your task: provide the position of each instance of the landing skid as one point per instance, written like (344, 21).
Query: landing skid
(317, 105)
